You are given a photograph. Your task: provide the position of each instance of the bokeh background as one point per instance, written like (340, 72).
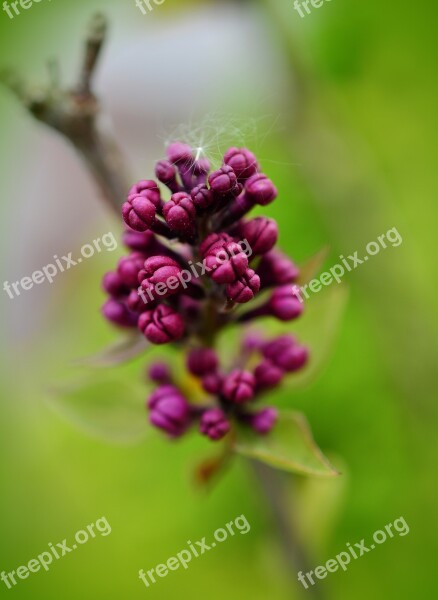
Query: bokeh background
(340, 107)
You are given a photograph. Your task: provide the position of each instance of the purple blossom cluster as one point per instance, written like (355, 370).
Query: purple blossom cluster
(232, 395)
(204, 222)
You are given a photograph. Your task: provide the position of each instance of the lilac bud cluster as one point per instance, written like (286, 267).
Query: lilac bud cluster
(157, 289)
(232, 396)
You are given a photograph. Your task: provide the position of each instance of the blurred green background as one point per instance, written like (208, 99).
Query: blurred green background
(341, 109)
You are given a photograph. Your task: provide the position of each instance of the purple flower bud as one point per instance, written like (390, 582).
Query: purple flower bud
(284, 304)
(286, 353)
(129, 268)
(119, 314)
(202, 361)
(238, 386)
(264, 420)
(212, 383)
(214, 240)
(180, 213)
(224, 181)
(166, 172)
(169, 410)
(201, 166)
(202, 197)
(244, 289)
(178, 153)
(159, 372)
(136, 303)
(200, 171)
(148, 188)
(214, 424)
(113, 284)
(161, 325)
(268, 374)
(276, 269)
(235, 211)
(139, 212)
(142, 241)
(242, 161)
(226, 264)
(189, 308)
(160, 277)
(278, 346)
(260, 189)
(252, 342)
(261, 233)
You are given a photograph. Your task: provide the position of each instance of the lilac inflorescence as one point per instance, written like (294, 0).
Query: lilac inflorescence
(194, 258)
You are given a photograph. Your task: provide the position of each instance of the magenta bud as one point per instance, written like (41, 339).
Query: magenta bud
(159, 372)
(261, 234)
(212, 383)
(226, 264)
(202, 361)
(214, 240)
(202, 197)
(139, 212)
(238, 386)
(214, 424)
(178, 153)
(119, 314)
(146, 187)
(169, 410)
(264, 420)
(160, 276)
(223, 181)
(242, 161)
(142, 241)
(180, 213)
(161, 325)
(260, 189)
(165, 171)
(136, 303)
(276, 269)
(252, 342)
(113, 284)
(189, 308)
(278, 346)
(201, 166)
(284, 304)
(129, 267)
(244, 289)
(268, 374)
(286, 354)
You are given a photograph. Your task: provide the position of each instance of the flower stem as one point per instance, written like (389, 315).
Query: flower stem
(295, 555)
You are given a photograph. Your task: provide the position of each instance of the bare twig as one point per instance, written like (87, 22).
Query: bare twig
(74, 114)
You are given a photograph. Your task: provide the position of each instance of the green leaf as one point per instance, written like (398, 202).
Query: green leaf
(318, 329)
(312, 266)
(105, 408)
(289, 446)
(120, 352)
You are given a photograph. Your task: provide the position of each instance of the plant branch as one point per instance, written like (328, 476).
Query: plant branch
(295, 556)
(74, 114)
